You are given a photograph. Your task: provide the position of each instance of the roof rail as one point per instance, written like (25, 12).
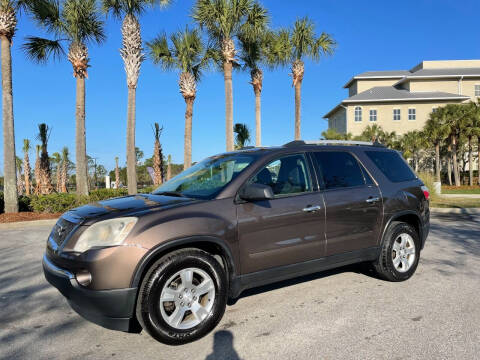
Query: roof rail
(332, 142)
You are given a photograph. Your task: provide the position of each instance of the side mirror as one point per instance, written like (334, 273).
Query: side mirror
(256, 192)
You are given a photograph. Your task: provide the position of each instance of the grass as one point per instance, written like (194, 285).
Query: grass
(440, 202)
(465, 189)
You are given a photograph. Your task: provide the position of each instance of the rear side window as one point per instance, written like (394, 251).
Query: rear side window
(339, 169)
(391, 165)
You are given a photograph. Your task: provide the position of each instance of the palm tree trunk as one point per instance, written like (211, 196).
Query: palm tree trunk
(131, 156)
(455, 162)
(449, 168)
(298, 102)
(187, 154)
(470, 160)
(478, 158)
(9, 158)
(80, 140)
(227, 73)
(258, 117)
(437, 163)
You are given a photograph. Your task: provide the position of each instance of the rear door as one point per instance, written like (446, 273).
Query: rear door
(353, 202)
(288, 229)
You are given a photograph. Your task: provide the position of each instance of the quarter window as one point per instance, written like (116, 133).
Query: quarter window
(287, 175)
(477, 90)
(396, 114)
(412, 114)
(358, 113)
(339, 169)
(373, 115)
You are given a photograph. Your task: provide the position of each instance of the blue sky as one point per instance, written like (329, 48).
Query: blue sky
(371, 35)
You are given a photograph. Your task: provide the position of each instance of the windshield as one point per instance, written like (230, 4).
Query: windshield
(207, 178)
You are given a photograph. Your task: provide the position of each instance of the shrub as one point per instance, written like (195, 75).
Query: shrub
(103, 194)
(54, 203)
(147, 190)
(23, 203)
(2, 203)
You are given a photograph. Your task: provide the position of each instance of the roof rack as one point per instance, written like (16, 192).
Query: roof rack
(332, 142)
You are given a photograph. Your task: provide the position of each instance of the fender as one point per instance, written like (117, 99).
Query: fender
(164, 247)
(396, 216)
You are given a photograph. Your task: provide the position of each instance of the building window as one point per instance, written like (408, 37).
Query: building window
(373, 115)
(477, 90)
(396, 114)
(358, 113)
(412, 114)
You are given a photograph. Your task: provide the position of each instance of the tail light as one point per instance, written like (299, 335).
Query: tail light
(426, 192)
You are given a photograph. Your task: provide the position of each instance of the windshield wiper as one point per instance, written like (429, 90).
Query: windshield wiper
(170, 193)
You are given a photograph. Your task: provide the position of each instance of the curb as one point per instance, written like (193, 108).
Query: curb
(23, 224)
(463, 211)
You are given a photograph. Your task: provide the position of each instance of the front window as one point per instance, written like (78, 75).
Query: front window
(358, 113)
(412, 114)
(207, 178)
(477, 90)
(396, 114)
(286, 176)
(373, 115)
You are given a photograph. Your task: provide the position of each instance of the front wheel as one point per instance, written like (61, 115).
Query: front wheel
(182, 297)
(399, 254)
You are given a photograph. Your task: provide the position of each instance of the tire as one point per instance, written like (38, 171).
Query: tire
(395, 263)
(156, 314)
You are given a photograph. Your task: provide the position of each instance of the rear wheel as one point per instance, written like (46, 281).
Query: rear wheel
(182, 297)
(400, 253)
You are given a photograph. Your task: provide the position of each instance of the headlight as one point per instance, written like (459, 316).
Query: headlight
(105, 233)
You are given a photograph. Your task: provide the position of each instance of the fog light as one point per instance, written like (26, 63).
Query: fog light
(84, 278)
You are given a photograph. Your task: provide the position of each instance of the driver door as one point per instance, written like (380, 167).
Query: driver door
(288, 229)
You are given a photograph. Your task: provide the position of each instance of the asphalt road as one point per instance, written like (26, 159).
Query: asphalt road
(342, 314)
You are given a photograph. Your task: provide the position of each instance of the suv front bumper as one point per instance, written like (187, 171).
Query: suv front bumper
(112, 309)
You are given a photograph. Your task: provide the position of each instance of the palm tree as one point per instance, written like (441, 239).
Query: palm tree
(44, 174)
(117, 174)
(57, 159)
(296, 45)
(454, 115)
(18, 167)
(186, 54)
(64, 169)
(132, 55)
(223, 20)
(471, 129)
(169, 167)
(436, 132)
(37, 169)
(253, 43)
(26, 165)
(76, 23)
(242, 137)
(411, 144)
(8, 26)
(158, 172)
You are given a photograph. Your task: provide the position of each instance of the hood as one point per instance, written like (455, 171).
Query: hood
(125, 205)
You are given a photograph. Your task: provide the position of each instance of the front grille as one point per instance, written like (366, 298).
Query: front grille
(61, 230)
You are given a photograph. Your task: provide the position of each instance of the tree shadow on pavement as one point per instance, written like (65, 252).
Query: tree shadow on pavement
(223, 347)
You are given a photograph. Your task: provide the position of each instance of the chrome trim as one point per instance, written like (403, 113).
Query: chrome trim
(55, 269)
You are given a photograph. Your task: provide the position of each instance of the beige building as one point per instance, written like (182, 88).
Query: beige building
(402, 100)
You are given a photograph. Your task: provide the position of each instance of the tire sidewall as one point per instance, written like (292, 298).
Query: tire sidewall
(392, 235)
(150, 314)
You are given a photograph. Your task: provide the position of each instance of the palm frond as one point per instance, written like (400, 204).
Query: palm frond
(160, 53)
(40, 50)
(243, 135)
(121, 8)
(47, 14)
(82, 21)
(325, 45)
(26, 145)
(65, 154)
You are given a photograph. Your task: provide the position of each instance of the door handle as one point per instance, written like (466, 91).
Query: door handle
(312, 208)
(372, 200)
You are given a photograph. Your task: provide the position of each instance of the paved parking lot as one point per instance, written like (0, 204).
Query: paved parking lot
(341, 314)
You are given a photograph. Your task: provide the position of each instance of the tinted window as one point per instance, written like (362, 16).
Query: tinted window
(391, 165)
(287, 175)
(339, 169)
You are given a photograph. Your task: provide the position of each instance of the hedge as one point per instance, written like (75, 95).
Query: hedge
(61, 202)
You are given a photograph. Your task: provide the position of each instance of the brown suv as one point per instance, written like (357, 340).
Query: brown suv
(167, 262)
